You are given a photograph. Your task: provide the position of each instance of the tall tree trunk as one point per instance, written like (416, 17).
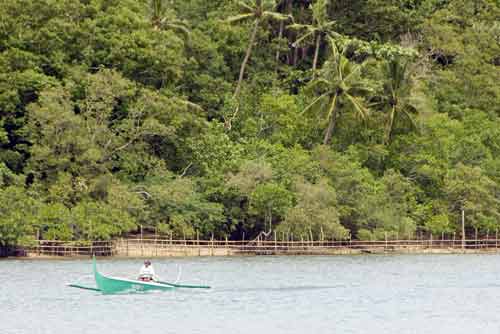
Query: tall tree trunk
(247, 56)
(289, 6)
(295, 55)
(316, 53)
(303, 54)
(332, 120)
(390, 125)
(280, 35)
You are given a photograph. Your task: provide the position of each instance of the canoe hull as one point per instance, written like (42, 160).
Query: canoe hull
(110, 285)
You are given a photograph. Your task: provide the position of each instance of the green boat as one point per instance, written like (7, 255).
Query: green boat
(110, 285)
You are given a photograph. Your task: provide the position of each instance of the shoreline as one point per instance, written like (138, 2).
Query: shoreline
(227, 253)
(162, 248)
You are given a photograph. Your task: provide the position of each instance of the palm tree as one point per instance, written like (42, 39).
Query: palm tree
(162, 18)
(340, 84)
(319, 28)
(282, 5)
(258, 11)
(397, 92)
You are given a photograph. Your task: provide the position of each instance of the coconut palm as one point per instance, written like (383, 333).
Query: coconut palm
(340, 84)
(397, 92)
(318, 29)
(282, 5)
(258, 11)
(162, 18)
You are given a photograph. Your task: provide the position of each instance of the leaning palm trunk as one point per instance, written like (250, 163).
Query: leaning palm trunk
(390, 125)
(316, 53)
(331, 121)
(247, 57)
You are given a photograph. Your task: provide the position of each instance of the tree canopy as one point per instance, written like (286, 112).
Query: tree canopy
(319, 118)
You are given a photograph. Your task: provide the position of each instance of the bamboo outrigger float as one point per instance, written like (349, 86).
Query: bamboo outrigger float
(110, 285)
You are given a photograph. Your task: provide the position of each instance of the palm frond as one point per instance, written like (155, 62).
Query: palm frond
(332, 107)
(189, 104)
(326, 26)
(354, 69)
(363, 112)
(318, 82)
(246, 7)
(411, 118)
(316, 100)
(302, 38)
(275, 16)
(182, 28)
(333, 46)
(298, 26)
(239, 18)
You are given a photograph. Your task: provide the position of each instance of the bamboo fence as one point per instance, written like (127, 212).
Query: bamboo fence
(136, 247)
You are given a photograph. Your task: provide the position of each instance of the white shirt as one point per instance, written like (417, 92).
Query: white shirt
(147, 271)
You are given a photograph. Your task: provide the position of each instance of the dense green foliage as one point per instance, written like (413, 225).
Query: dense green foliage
(317, 118)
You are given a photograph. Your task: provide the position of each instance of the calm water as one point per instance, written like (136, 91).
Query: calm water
(256, 295)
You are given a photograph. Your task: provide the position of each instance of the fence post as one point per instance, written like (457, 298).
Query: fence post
(311, 240)
(463, 228)
(142, 244)
(275, 242)
(386, 246)
(496, 238)
(243, 241)
(212, 245)
(475, 236)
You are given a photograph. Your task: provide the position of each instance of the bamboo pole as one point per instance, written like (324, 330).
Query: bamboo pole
(142, 245)
(212, 245)
(463, 228)
(275, 242)
(475, 236)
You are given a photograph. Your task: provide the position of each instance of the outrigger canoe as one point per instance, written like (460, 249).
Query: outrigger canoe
(109, 285)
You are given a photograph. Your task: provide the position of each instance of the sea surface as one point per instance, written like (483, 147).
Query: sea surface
(257, 295)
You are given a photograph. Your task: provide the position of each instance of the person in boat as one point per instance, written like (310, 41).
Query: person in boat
(147, 272)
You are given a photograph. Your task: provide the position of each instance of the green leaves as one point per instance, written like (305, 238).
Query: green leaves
(467, 188)
(100, 221)
(17, 215)
(177, 207)
(316, 213)
(115, 114)
(397, 90)
(340, 82)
